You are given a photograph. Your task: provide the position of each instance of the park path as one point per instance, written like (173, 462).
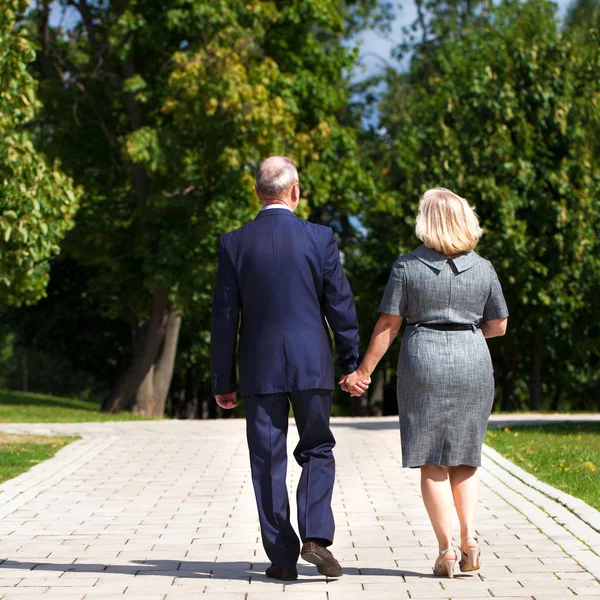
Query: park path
(164, 510)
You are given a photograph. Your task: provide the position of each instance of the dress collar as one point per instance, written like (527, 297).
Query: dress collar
(435, 260)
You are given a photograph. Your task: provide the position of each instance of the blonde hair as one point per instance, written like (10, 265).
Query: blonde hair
(447, 223)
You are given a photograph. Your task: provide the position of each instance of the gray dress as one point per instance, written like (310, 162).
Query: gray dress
(445, 378)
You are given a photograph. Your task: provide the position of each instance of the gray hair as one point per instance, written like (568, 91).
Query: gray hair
(275, 176)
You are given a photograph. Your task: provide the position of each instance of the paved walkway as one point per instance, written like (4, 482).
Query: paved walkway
(164, 510)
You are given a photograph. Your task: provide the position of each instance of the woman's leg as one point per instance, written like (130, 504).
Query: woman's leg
(438, 502)
(464, 482)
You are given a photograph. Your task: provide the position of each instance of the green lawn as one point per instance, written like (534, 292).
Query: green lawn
(18, 453)
(21, 407)
(567, 456)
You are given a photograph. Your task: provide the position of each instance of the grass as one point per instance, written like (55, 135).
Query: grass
(565, 455)
(22, 407)
(18, 453)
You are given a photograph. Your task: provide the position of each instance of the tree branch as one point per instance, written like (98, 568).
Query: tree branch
(49, 69)
(90, 100)
(88, 21)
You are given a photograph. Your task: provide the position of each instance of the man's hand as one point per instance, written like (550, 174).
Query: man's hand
(355, 383)
(227, 401)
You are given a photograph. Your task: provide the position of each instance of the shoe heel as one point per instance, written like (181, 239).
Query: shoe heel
(449, 564)
(473, 557)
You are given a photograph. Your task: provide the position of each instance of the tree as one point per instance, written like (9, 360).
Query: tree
(507, 115)
(584, 13)
(162, 115)
(37, 200)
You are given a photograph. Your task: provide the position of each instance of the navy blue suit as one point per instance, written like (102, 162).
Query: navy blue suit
(283, 276)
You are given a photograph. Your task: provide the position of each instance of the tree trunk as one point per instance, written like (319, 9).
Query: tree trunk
(177, 394)
(360, 405)
(164, 368)
(390, 391)
(145, 396)
(212, 405)
(183, 395)
(376, 398)
(193, 410)
(146, 348)
(25, 372)
(151, 396)
(509, 400)
(535, 377)
(557, 398)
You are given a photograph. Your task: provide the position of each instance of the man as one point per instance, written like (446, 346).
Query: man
(284, 275)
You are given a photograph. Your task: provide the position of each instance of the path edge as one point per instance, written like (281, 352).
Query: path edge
(583, 511)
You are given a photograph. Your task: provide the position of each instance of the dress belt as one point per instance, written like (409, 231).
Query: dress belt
(449, 326)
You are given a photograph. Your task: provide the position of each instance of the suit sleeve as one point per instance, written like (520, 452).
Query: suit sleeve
(340, 311)
(224, 328)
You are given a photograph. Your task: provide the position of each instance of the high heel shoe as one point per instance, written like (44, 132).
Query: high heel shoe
(446, 567)
(470, 556)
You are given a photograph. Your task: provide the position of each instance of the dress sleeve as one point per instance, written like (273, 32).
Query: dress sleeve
(395, 300)
(495, 307)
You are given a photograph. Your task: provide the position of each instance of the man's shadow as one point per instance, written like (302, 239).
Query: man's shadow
(243, 571)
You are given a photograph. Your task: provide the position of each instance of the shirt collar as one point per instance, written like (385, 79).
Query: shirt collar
(436, 260)
(277, 211)
(271, 206)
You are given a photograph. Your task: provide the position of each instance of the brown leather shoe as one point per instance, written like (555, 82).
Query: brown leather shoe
(319, 556)
(282, 573)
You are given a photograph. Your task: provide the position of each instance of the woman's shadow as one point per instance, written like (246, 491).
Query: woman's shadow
(237, 570)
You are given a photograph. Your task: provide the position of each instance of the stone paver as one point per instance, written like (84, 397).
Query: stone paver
(165, 511)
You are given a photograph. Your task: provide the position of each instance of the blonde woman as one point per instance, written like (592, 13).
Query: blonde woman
(452, 300)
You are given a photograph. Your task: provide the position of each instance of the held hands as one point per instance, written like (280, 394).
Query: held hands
(227, 401)
(355, 383)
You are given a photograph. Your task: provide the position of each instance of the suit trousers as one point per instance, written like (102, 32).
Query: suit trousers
(266, 429)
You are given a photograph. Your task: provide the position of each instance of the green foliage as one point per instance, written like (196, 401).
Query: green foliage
(566, 456)
(62, 345)
(438, 21)
(584, 14)
(162, 115)
(37, 201)
(508, 116)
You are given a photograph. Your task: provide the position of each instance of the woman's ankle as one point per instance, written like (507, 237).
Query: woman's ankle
(468, 540)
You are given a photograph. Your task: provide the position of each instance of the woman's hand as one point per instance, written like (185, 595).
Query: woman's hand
(356, 383)
(385, 331)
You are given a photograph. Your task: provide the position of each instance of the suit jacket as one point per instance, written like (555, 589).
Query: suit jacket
(283, 275)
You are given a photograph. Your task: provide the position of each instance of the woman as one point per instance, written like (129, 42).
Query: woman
(452, 300)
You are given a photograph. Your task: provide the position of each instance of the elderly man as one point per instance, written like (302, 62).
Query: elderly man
(284, 276)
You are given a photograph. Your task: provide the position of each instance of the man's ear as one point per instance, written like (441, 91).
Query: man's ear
(296, 192)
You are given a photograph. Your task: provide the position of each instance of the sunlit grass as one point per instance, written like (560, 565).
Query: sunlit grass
(18, 453)
(566, 455)
(22, 407)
